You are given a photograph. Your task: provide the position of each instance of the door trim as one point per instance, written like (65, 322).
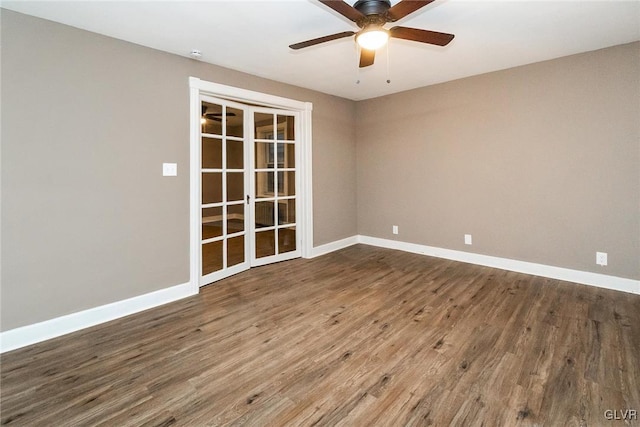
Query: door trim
(199, 87)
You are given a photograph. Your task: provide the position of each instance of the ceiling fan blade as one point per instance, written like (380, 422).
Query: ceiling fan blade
(367, 57)
(405, 7)
(423, 36)
(319, 40)
(344, 9)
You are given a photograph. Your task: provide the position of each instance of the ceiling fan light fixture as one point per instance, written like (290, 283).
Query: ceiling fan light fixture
(373, 39)
(371, 16)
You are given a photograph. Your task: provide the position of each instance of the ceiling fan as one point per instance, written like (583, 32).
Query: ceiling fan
(371, 16)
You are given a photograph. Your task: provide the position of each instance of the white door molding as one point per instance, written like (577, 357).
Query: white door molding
(199, 87)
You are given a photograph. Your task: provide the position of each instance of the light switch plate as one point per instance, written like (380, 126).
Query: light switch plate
(169, 169)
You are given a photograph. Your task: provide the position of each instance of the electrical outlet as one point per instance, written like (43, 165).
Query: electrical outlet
(395, 229)
(601, 258)
(467, 239)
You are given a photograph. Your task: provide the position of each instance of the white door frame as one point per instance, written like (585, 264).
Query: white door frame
(199, 87)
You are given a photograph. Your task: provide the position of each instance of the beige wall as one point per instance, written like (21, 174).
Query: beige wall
(539, 163)
(87, 121)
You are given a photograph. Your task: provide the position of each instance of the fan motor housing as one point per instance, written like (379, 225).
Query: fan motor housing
(372, 7)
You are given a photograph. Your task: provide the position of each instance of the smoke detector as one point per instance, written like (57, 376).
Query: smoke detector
(195, 54)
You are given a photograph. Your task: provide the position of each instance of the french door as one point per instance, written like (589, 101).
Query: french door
(224, 248)
(275, 184)
(249, 187)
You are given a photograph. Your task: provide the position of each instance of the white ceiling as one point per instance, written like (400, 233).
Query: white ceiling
(253, 36)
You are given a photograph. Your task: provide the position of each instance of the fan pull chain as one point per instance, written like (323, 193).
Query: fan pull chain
(388, 76)
(357, 65)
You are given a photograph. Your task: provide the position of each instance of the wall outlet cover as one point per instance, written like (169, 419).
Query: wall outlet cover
(601, 258)
(467, 239)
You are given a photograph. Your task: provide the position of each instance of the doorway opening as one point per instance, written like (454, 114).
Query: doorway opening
(250, 180)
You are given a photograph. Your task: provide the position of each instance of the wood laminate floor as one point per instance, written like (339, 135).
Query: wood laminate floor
(360, 337)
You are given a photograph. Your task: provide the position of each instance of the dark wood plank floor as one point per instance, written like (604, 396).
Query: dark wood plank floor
(360, 337)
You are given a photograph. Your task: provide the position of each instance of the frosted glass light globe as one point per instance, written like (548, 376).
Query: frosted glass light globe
(373, 39)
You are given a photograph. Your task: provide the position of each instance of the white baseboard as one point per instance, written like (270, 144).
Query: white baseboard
(559, 273)
(334, 246)
(31, 334)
